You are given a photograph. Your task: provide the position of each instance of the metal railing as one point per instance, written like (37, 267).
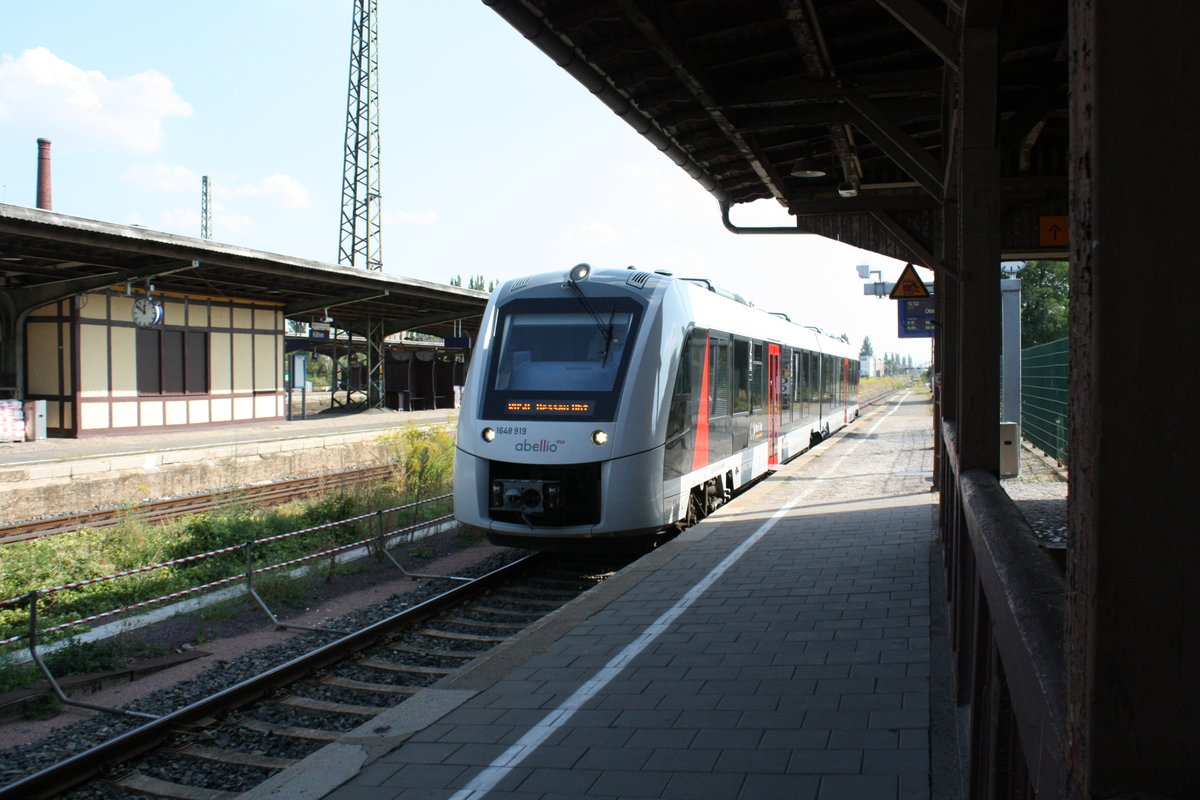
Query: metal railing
(1007, 602)
(378, 542)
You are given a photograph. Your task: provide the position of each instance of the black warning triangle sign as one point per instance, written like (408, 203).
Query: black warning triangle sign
(909, 286)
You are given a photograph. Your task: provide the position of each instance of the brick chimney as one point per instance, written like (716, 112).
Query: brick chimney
(43, 175)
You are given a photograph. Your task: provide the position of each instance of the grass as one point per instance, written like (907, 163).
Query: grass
(75, 659)
(872, 387)
(423, 463)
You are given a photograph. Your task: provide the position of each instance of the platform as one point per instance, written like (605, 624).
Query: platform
(783, 648)
(51, 476)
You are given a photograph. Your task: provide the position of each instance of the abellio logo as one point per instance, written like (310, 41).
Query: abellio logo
(543, 446)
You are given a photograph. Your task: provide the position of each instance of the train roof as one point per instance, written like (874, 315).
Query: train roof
(712, 300)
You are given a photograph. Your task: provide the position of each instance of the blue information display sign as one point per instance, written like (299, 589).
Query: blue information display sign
(916, 318)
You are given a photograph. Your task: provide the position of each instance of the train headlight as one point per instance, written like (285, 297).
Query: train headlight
(579, 272)
(600, 437)
(489, 434)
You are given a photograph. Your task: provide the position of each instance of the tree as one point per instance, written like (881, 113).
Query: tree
(845, 337)
(866, 350)
(1044, 302)
(477, 282)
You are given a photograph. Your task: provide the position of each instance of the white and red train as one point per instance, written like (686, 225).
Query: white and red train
(604, 406)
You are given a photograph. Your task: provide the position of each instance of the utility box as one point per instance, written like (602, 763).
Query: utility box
(1010, 450)
(35, 420)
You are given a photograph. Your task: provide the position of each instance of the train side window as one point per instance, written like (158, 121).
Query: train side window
(741, 375)
(718, 397)
(758, 379)
(785, 383)
(678, 417)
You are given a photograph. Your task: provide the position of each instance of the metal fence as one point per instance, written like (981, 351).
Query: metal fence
(1044, 397)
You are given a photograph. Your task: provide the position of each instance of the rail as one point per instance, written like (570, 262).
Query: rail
(1007, 614)
(77, 768)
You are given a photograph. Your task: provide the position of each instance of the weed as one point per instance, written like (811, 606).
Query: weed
(467, 537)
(422, 551)
(43, 705)
(280, 590)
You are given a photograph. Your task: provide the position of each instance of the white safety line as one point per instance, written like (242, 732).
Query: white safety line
(507, 761)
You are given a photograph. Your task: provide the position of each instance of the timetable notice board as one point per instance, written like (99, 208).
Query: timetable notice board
(915, 318)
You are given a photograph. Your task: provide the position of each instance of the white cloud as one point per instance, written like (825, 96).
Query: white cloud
(162, 178)
(283, 189)
(227, 225)
(181, 220)
(594, 234)
(85, 107)
(412, 219)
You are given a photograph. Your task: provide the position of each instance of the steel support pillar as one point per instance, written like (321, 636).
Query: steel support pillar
(1133, 614)
(376, 353)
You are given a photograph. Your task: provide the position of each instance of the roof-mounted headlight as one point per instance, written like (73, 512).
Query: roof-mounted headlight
(579, 272)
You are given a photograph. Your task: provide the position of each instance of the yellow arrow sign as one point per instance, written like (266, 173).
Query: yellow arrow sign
(909, 286)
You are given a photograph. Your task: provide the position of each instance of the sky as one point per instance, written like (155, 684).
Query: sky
(494, 161)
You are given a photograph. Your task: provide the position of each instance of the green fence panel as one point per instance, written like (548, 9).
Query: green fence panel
(1044, 397)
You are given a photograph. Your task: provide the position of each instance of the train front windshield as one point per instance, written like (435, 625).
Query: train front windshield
(555, 360)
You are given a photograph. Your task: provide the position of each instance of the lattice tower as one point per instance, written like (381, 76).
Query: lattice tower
(205, 208)
(361, 241)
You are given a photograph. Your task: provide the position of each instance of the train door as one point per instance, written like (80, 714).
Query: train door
(773, 404)
(845, 390)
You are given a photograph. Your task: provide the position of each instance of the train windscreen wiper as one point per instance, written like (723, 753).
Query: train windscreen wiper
(578, 273)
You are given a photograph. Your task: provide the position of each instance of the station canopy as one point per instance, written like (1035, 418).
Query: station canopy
(842, 111)
(46, 256)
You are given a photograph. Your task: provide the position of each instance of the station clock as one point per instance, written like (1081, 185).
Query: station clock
(147, 312)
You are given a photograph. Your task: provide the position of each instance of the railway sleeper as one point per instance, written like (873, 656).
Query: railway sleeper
(365, 686)
(505, 612)
(411, 650)
(328, 706)
(391, 666)
(462, 637)
(222, 756)
(483, 623)
(296, 732)
(177, 791)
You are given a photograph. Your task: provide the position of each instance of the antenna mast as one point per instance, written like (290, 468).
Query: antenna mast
(205, 208)
(361, 242)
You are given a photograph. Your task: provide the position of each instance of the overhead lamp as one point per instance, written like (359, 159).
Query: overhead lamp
(847, 189)
(805, 168)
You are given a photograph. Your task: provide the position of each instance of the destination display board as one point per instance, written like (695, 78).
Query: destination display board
(915, 318)
(570, 408)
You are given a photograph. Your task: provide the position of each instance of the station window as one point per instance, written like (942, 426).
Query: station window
(172, 362)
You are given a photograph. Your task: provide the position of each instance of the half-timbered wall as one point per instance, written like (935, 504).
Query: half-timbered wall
(212, 361)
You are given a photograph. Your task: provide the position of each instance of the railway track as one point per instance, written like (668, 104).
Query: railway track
(234, 739)
(158, 511)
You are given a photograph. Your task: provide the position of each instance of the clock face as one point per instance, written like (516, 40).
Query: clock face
(147, 312)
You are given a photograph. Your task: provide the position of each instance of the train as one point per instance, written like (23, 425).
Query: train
(606, 408)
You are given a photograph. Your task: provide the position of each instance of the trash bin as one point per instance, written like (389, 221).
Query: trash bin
(35, 420)
(1010, 450)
